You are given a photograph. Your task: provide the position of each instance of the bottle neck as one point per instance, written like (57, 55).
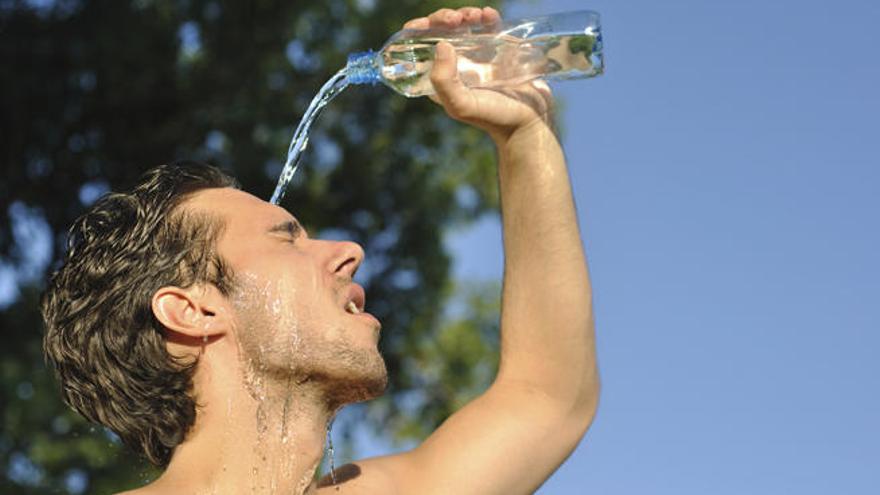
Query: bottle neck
(363, 68)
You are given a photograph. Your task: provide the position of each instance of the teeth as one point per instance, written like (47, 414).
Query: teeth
(352, 308)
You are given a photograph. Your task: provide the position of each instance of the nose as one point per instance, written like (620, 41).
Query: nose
(347, 258)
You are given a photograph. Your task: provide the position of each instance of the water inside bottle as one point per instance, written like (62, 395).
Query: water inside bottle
(488, 60)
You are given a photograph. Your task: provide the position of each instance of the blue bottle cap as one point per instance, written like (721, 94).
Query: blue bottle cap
(362, 68)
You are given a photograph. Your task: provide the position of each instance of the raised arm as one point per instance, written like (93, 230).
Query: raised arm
(511, 438)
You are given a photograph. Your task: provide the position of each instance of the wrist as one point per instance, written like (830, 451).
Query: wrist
(536, 136)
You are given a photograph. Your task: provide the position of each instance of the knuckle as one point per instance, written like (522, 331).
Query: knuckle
(440, 76)
(441, 13)
(457, 107)
(435, 77)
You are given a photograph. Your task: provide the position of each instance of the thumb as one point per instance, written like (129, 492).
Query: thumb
(445, 62)
(451, 93)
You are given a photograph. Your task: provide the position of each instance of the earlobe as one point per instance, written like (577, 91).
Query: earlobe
(190, 312)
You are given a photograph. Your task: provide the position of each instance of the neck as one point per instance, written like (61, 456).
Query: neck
(246, 440)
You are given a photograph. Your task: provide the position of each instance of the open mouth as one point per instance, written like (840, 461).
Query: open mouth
(355, 300)
(354, 305)
(352, 308)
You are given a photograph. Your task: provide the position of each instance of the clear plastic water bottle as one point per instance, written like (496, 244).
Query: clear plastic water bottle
(559, 46)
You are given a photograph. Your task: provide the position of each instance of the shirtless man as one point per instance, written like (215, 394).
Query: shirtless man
(206, 328)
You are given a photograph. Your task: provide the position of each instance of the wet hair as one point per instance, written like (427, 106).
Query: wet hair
(106, 346)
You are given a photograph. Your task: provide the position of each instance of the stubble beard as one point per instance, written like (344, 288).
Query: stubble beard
(278, 350)
(331, 370)
(345, 375)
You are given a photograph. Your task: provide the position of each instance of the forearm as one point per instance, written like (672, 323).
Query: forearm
(547, 385)
(547, 339)
(546, 318)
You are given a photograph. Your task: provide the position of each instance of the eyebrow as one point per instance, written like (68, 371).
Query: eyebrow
(289, 227)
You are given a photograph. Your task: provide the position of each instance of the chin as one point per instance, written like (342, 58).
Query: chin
(365, 382)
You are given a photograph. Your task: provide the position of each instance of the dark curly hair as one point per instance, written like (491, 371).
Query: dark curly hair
(106, 346)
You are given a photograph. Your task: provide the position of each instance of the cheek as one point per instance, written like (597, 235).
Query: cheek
(267, 331)
(261, 307)
(282, 310)
(298, 297)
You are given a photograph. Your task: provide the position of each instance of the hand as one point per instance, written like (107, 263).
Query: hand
(501, 112)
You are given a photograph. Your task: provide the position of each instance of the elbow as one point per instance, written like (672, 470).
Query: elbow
(580, 414)
(586, 404)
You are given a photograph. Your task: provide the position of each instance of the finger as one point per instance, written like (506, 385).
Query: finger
(445, 18)
(491, 16)
(471, 15)
(542, 87)
(546, 93)
(444, 77)
(417, 23)
(445, 69)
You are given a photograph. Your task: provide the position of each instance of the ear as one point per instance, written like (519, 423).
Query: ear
(197, 312)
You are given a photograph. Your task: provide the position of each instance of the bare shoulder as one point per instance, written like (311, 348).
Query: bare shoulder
(157, 487)
(367, 477)
(146, 490)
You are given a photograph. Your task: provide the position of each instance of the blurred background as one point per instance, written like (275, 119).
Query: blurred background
(726, 174)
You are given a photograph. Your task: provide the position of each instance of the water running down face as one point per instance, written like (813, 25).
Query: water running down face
(297, 313)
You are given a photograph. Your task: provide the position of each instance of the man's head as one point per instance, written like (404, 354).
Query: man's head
(295, 312)
(183, 258)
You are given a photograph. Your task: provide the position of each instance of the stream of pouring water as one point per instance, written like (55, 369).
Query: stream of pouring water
(298, 145)
(301, 137)
(331, 454)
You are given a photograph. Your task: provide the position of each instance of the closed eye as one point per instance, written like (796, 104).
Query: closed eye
(291, 229)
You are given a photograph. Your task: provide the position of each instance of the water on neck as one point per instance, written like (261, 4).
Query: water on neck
(331, 453)
(300, 139)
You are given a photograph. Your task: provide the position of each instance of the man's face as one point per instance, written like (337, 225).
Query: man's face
(298, 315)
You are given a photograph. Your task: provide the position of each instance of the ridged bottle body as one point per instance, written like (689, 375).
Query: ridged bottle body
(561, 46)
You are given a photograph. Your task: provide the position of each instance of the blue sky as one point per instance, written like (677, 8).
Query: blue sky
(726, 174)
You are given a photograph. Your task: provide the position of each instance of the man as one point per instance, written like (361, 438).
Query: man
(212, 334)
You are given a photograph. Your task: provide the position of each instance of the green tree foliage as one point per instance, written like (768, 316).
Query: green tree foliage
(92, 93)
